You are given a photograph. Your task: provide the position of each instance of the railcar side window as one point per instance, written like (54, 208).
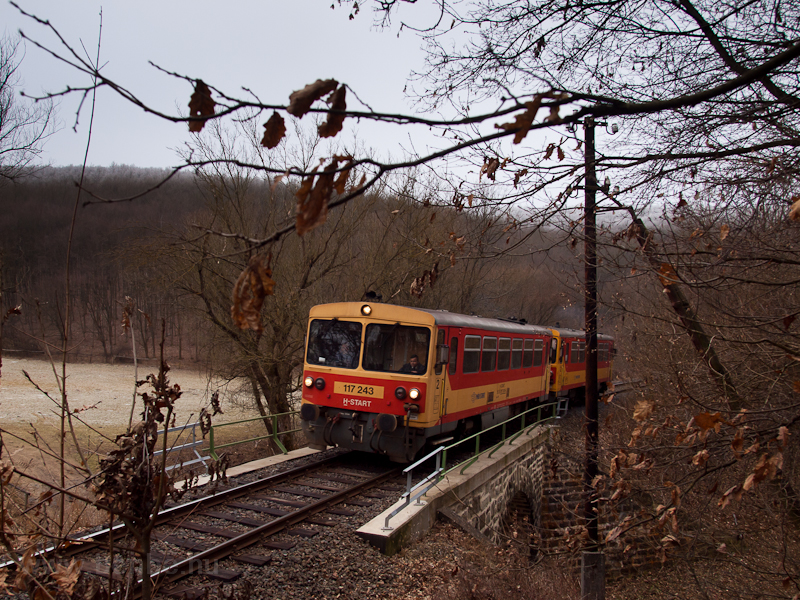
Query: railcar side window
(472, 354)
(504, 354)
(538, 351)
(334, 343)
(578, 352)
(396, 348)
(527, 357)
(453, 355)
(516, 354)
(437, 368)
(489, 354)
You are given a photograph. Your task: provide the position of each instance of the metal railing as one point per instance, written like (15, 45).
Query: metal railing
(274, 436)
(441, 470)
(409, 496)
(193, 445)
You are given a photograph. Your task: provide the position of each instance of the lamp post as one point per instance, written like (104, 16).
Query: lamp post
(592, 559)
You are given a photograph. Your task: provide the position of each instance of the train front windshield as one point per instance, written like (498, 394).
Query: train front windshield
(391, 348)
(334, 343)
(396, 348)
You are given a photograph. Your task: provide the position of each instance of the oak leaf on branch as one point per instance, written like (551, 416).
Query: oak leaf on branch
(333, 124)
(274, 130)
(200, 105)
(489, 167)
(252, 287)
(523, 121)
(313, 196)
(300, 101)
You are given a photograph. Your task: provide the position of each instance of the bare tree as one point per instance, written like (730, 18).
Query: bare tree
(24, 125)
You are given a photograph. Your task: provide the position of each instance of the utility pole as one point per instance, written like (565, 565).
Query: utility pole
(592, 559)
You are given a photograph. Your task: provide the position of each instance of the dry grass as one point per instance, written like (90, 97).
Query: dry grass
(451, 565)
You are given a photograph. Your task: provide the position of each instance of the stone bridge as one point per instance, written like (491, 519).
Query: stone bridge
(525, 476)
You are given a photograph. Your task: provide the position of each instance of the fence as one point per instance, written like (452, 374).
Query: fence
(192, 445)
(274, 436)
(415, 492)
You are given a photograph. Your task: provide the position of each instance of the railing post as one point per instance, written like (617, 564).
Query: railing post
(211, 450)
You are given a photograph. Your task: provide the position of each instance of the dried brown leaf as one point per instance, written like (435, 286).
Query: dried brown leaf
(783, 435)
(67, 577)
(252, 287)
(274, 130)
(794, 211)
(737, 445)
(667, 274)
(300, 101)
(643, 409)
(200, 105)
(724, 231)
(489, 167)
(523, 121)
(312, 198)
(335, 120)
(706, 421)
(700, 458)
(340, 185)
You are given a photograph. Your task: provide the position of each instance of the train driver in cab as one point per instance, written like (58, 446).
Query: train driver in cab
(413, 366)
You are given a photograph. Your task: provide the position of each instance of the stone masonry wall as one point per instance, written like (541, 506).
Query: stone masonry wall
(488, 504)
(553, 485)
(560, 528)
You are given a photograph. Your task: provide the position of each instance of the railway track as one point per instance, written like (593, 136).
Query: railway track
(243, 524)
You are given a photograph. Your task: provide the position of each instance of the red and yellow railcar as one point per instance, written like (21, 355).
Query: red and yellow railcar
(389, 379)
(568, 363)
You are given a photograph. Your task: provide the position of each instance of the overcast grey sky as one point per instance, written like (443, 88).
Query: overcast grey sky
(271, 46)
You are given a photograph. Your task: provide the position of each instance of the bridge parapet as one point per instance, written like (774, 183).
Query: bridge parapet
(480, 495)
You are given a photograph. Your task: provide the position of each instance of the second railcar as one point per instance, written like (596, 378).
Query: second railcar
(568, 363)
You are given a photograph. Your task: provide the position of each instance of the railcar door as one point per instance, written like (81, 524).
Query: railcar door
(442, 358)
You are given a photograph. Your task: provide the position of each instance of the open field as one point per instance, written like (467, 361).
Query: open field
(105, 391)
(102, 394)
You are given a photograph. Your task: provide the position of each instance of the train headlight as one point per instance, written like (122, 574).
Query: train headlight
(414, 394)
(400, 393)
(319, 383)
(366, 310)
(309, 381)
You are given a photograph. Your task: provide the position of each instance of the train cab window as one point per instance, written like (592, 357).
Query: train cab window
(553, 351)
(602, 353)
(472, 354)
(504, 354)
(392, 348)
(527, 356)
(516, 354)
(489, 354)
(453, 355)
(334, 343)
(538, 351)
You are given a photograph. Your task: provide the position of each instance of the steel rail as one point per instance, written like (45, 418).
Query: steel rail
(89, 541)
(190, 565)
